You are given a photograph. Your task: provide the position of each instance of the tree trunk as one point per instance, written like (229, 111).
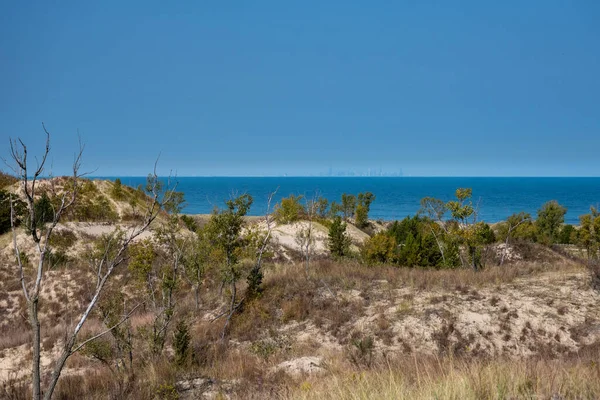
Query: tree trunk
(60, 363)
(35, 364)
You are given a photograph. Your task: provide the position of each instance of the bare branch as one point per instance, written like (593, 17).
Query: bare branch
(125, 318)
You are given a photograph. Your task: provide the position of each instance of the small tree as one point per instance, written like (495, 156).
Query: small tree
(550, 218)
(224, 229)
(289, 210)
(363, 208)
(304, 236)
(348, 206)
(589, 233)
(102, 268)
(117, 190)
(339, 242)
(322, 205)
(255, 276)
(510, 227)
(379, 249)
(181, 343)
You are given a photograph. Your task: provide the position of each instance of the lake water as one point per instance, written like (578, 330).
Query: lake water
(396, 197)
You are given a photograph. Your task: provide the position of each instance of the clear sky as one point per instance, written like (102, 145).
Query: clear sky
(460, 88)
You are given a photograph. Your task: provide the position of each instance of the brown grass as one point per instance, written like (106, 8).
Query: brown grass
(452, 378)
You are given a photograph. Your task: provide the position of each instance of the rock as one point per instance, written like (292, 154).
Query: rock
(302, 365)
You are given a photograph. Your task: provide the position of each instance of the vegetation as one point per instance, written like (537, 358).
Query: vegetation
(363, 208)
(193, 307)
(339, 242)
(289, 210)
(549, 221)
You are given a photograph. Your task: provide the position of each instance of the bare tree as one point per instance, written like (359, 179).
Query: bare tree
(513, 222)
(304, 237)
(40, 234)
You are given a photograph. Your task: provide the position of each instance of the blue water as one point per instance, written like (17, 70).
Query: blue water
(397, 197)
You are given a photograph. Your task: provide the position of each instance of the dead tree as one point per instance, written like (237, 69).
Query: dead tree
(304, 237)
(40, 234)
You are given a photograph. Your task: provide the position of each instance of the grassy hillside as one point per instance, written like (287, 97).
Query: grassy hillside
(341, 328)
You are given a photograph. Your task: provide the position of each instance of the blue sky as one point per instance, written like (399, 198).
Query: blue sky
(462, 88)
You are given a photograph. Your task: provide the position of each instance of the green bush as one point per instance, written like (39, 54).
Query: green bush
(181, 343)
(363, 208)
(289, 210)
(62, 239)
(189, 222)
(567, 235)
(117, 191)
(549, 221)
(338, 240)
(379, 249)
(19, 207)
(6, 179)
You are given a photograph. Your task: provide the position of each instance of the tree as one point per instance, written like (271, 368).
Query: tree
(322, 204)
(289, 210)
(379, 249)
(196, 261)
(589, 233)
(304, 236)
(40, 236)
(465, 227)
(549, 220)
(435, 209)
(348, 206)
(5, 211)
(224, 229)
(509, 228)
(363, 208)
(255, 276)
(339, 242)
(117, 190)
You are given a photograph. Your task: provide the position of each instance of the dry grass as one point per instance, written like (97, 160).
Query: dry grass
(450, 378)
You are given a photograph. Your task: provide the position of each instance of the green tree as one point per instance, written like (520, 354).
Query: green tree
(348, 206)
(224, 229)
(19, 208)
(549, 221)
(6, 179)
(589, 233)
(339, 242)
(321, 206)
(117, 190)
(289, 210)
(567, 235)
(44, 210)
(181, 343)
(362, 209)
(379, 249)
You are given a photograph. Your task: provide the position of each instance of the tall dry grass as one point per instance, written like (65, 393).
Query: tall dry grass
(460, 379)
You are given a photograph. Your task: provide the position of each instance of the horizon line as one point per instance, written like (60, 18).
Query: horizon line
(349, 177)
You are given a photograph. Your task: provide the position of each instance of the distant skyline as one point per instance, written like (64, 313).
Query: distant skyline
(464, 88)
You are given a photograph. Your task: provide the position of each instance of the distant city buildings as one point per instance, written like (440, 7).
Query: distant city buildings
(370, 172)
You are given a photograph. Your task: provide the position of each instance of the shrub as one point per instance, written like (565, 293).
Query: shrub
(19, 207)
(363, 208)
(289, 210)
(44, 211)
(567, 235)
(339, 242)
(181, 343)
(189, 222)
(418, 245)
(550, 218)
(62, 239)
(381, 248)
(117, 190)
(6, 179)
